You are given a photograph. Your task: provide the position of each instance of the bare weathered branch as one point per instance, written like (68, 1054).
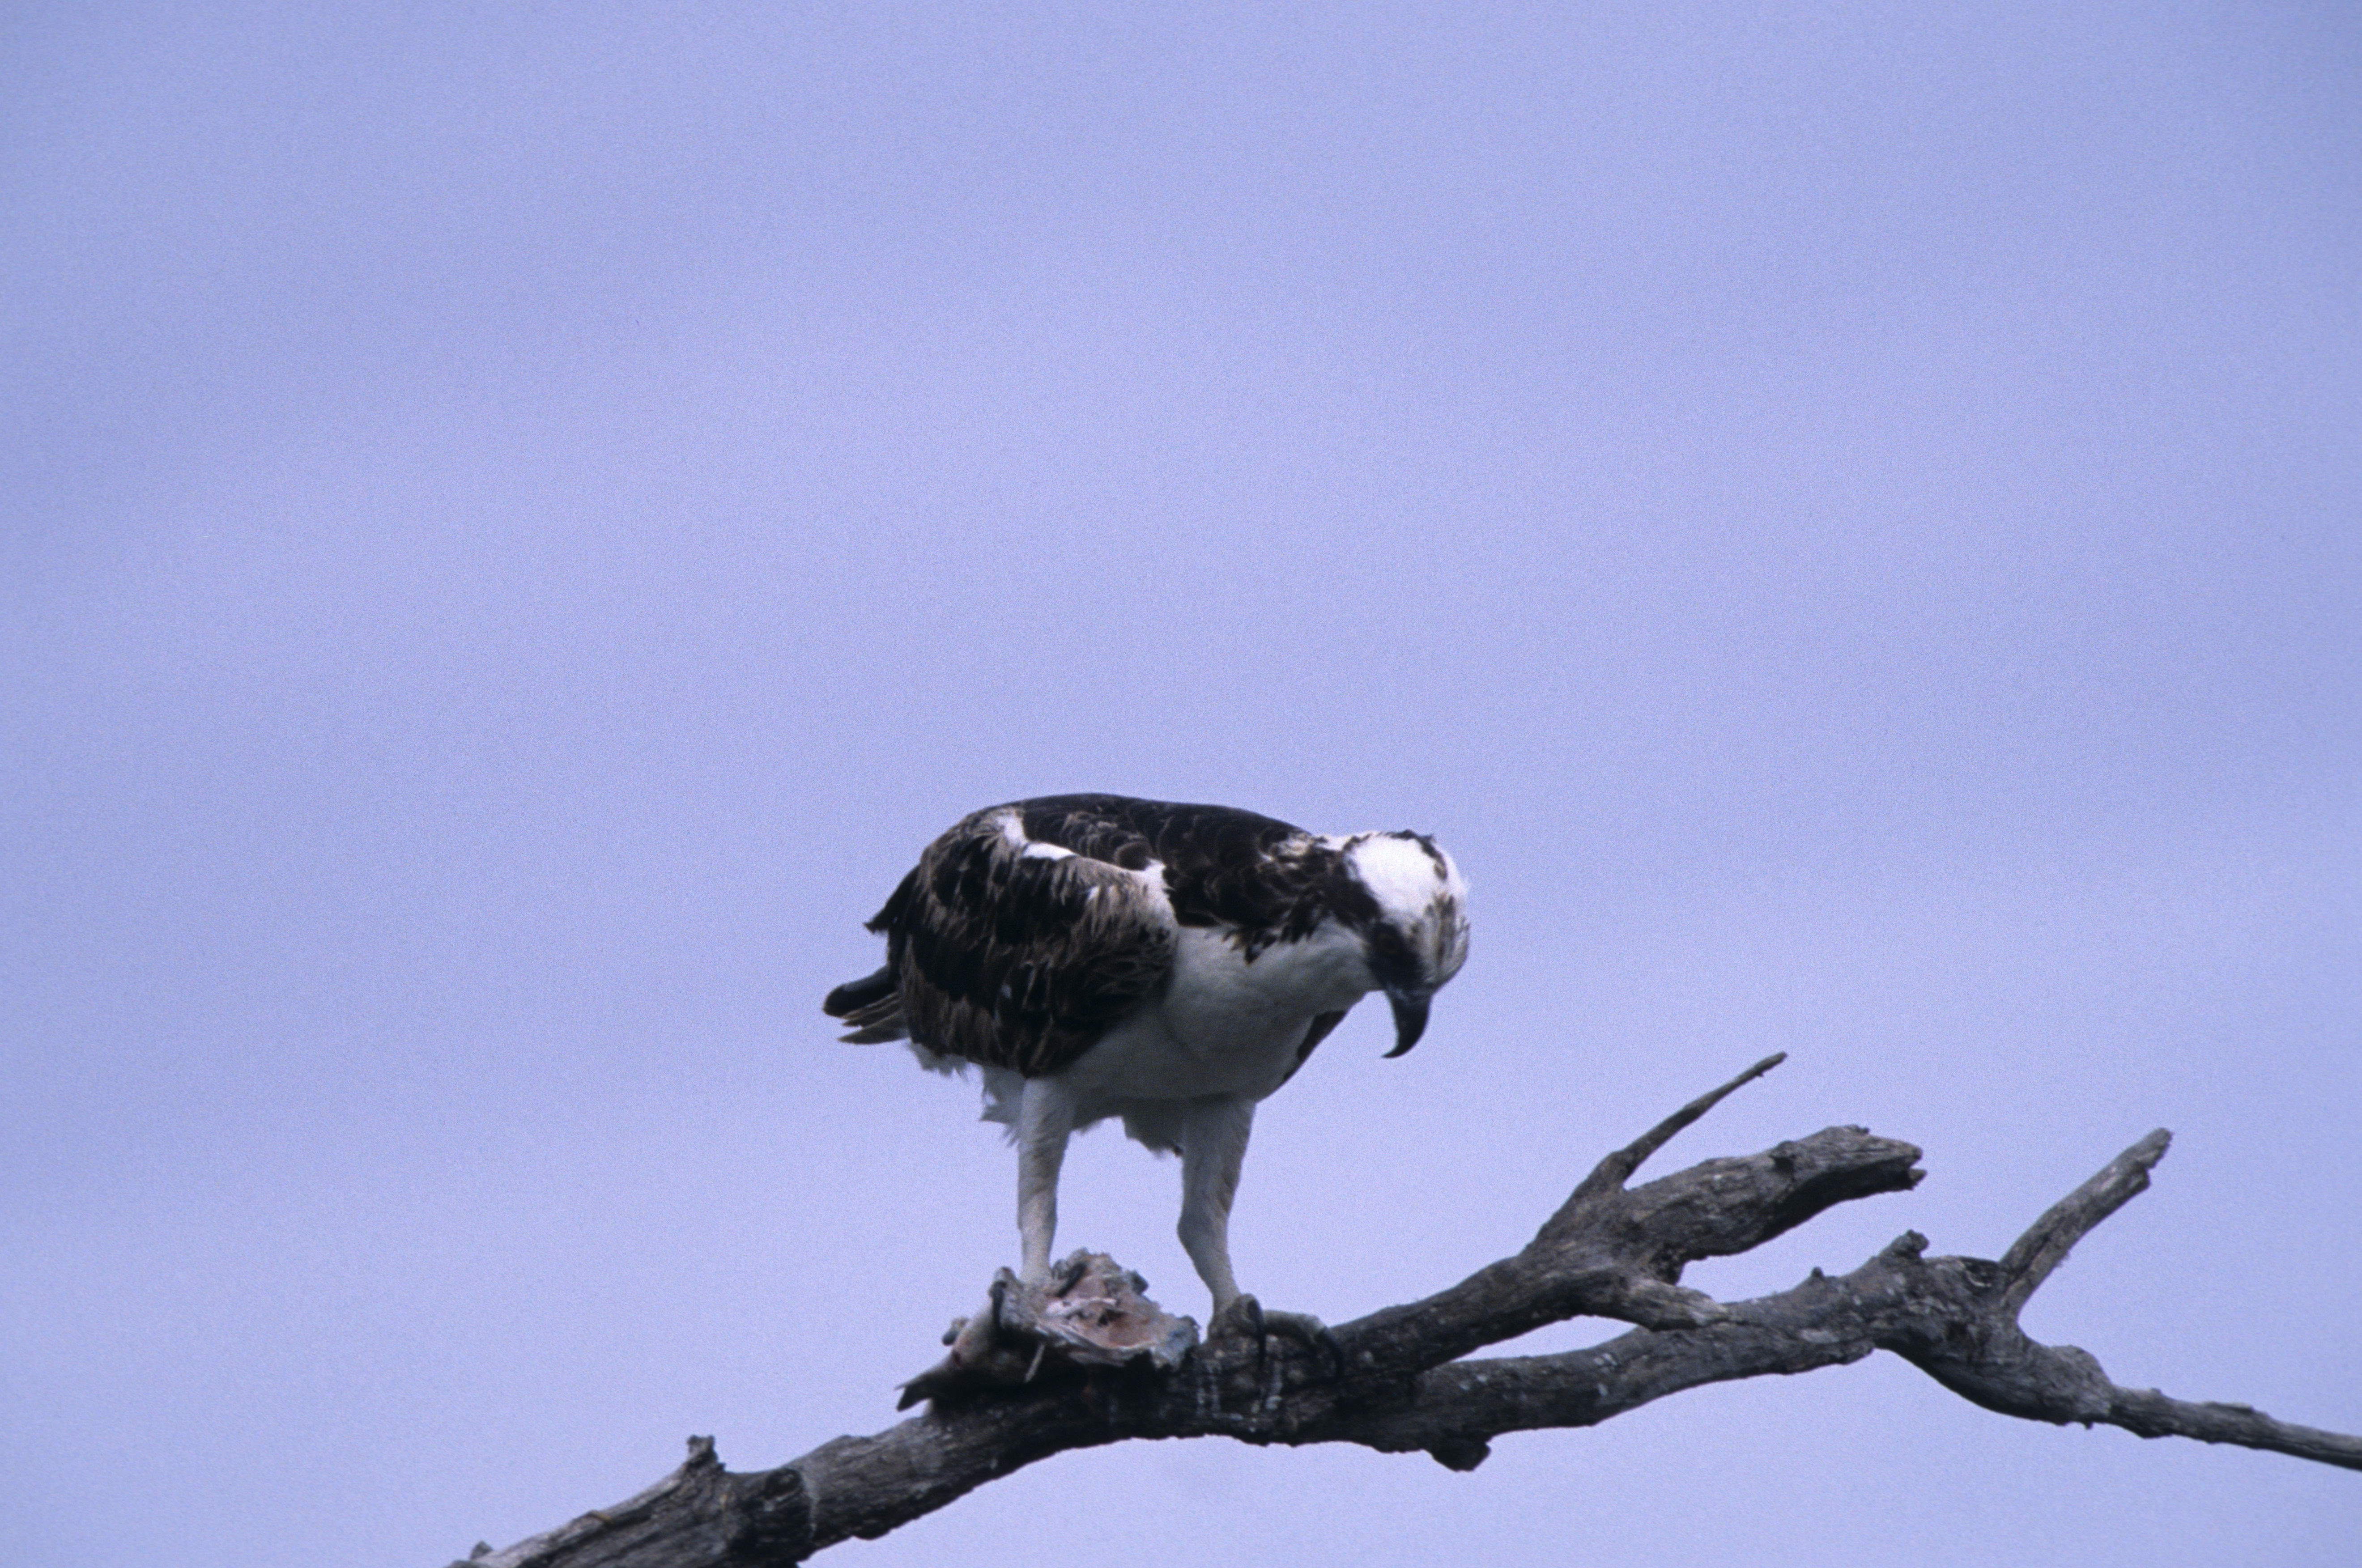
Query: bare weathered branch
(2048, 1240)
(1617, 1170)
(1396, 1381)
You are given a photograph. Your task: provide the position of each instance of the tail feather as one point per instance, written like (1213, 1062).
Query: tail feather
(854, 994)
(873, 1005)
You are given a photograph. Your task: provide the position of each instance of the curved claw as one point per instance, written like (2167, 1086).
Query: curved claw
(1245, 1319)
(1313, 1335)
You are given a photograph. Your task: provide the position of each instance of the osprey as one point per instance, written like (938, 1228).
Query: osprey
(1101, 956)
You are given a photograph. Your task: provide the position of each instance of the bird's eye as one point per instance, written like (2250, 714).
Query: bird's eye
(1392, 961)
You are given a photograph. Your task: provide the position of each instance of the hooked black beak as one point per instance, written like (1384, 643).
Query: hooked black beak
(1411, 1021)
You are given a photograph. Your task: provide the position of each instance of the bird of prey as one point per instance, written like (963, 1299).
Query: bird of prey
(1171, 965)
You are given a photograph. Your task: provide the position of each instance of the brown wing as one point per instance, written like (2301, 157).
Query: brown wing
(1019, 960)
(1264, 879)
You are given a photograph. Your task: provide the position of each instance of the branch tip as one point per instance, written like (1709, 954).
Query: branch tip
(1614, 1171)
(2048, 1240)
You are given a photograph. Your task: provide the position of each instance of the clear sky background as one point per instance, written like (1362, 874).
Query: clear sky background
(519, 522)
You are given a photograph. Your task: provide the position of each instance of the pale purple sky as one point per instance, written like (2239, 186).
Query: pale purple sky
(519, 525)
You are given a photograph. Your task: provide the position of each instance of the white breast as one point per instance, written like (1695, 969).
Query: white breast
(1224, 1025)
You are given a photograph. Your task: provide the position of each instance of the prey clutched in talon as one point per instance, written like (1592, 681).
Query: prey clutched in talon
(1089, 1314)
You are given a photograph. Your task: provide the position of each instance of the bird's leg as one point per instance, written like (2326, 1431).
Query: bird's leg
(1045, 1119)
(1213, 1148)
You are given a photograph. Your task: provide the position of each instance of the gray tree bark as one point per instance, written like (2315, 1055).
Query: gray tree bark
(1395, 1380)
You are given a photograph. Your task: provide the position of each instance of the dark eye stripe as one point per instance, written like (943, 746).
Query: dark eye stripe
(1392, 961)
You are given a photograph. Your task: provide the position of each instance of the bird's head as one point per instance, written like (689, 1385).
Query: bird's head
(1407, 899)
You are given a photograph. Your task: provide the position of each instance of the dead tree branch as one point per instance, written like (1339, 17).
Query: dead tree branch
(1395, 1380)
